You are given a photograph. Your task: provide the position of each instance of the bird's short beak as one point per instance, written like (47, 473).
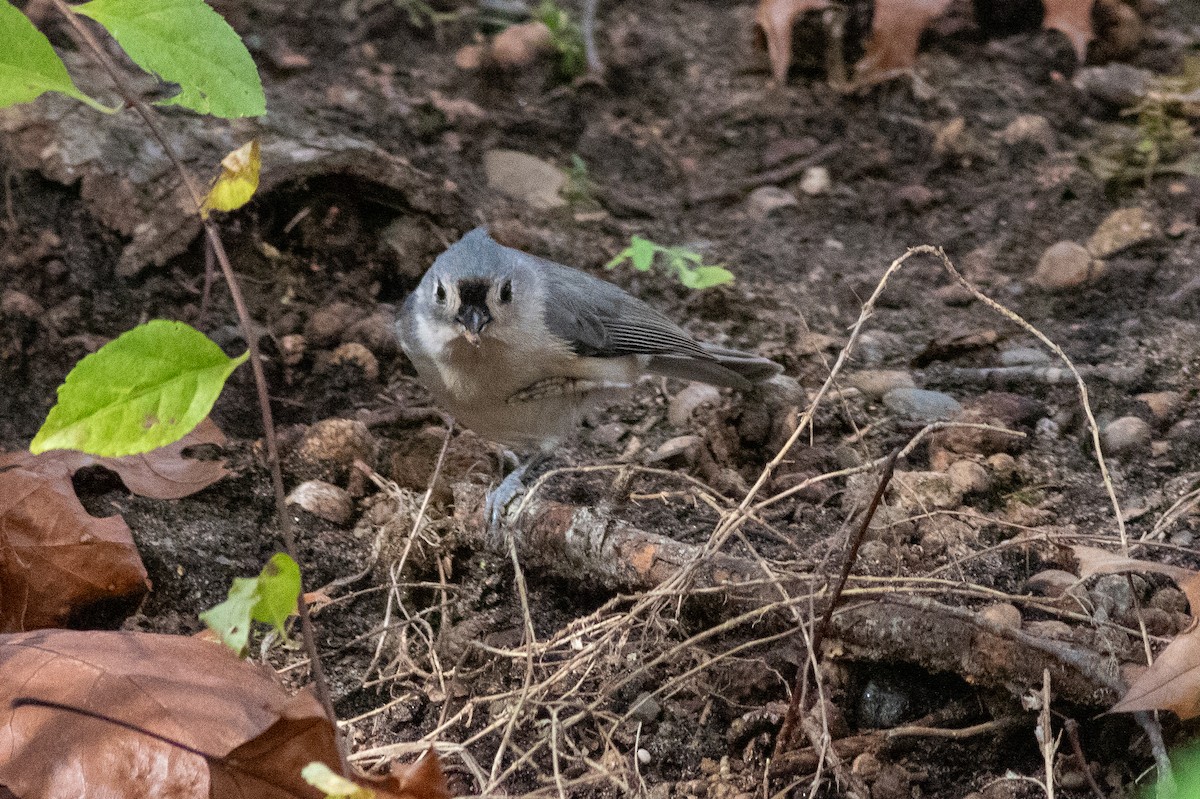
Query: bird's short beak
(474, 320)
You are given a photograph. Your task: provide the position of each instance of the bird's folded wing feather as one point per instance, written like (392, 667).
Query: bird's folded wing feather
(601, 320)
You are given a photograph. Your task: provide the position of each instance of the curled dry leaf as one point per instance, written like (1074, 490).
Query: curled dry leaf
(254, 737)
(1100, 561)
(518, 45)
(1173, 681)
(515, 46)
(895, 36)
(1074, 19)
(775, 18)
(62, 563)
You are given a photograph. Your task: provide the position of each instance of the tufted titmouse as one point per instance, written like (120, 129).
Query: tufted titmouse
(517, 347)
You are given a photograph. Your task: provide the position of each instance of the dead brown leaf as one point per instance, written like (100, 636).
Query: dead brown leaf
(1173, 681)
(895, 36)
(58, 563)
(253, 736)
(775, 19)
(159, 474)
(1101, 561)
(1074, 19)
(421, 779)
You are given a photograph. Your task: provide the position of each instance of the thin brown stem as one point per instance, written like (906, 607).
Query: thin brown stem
(320, 683)
(792, 717)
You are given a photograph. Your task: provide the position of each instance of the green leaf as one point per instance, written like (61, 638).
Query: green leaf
(332, 784)
(703, 277)
(148, 388)
(269, 598)
(642, 251)
(29, 66)
(185, 42)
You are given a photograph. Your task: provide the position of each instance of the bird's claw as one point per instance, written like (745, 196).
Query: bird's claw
(500, 497)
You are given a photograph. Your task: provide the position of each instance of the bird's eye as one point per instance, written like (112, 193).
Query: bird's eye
(506, 291)
(439, 293)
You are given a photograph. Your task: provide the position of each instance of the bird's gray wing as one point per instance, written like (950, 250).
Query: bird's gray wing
(601, 320)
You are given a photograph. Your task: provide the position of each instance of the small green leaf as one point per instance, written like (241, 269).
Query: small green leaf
(641, 252)
(703, 277)
(29, 66)
(148, 388)
(269, 598)
(332, 784)
(618, 259)
(185, 42)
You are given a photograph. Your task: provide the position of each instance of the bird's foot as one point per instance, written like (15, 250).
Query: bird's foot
(500, 497)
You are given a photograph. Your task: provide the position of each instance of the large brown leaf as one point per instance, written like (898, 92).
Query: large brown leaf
(1173, 681)
(1073, 18)
(58, 564)
(159, 474)
(895, 36)
(254, 737)
(775, 18)
(61, 566)
(1093, 560)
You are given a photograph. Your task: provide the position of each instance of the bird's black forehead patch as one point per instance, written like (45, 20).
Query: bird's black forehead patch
(474, 292)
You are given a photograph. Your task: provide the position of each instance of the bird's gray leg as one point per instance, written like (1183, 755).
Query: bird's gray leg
(511, 487)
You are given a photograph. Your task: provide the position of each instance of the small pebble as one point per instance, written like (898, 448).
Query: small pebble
(292, 348)
(337, 442)
(1047, 428)
(816, 180)
(1029, 129)
(681, 448)
(1162, 404)
(920, 405)
(524, 177)
(323, 500)
(609, 434)
(14, 303)
(1003, 466)
(1126, 436)
(884, 702)
(354, 353)
(874, 383)
(874, 552)
(915, 196)
(1171, 600)
(968, 477)
(1066, 265)
(687, 401)
(1003, 614)
(645, 708)
(1023, 356)
(766, 200)
(326, 325)
(1122, 229)
(1117, 84)
(925, 491)
(377, 333)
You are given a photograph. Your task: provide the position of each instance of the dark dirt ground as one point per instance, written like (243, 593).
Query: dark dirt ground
(682, 111)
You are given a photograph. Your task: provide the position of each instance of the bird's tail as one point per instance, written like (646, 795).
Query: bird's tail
(727, 367)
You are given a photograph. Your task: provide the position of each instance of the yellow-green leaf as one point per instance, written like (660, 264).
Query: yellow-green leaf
(146, 389)
(238, 179)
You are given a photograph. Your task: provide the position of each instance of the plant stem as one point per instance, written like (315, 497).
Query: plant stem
(320, 683)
